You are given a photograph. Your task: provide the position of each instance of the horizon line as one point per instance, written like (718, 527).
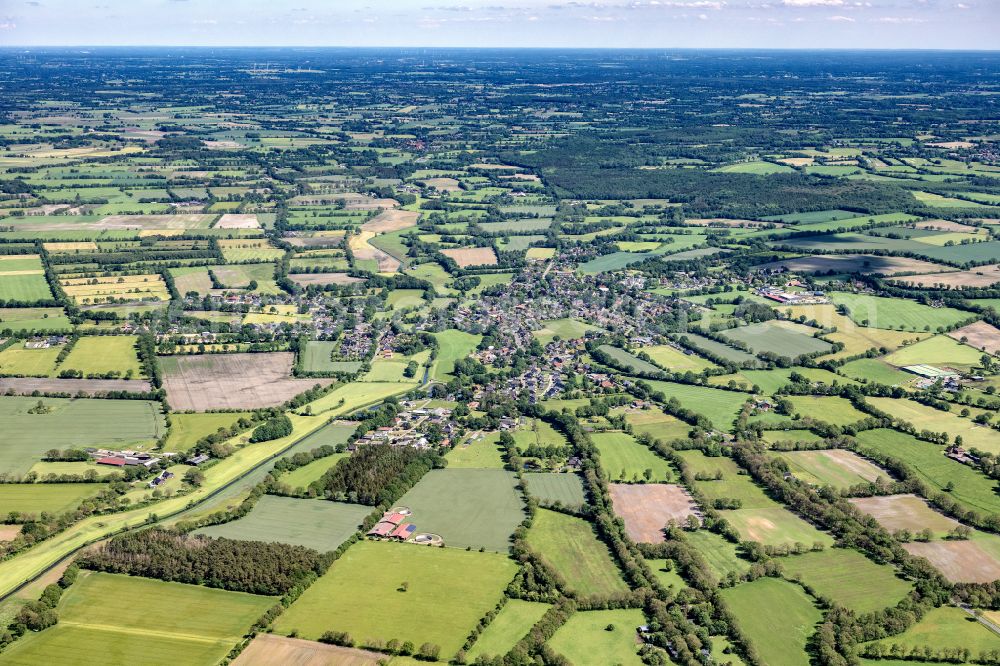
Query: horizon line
(923, 49)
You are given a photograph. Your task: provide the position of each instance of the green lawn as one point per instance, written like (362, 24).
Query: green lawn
(566, 329)
(896, 313)
(570, 545)
(453, 345)
(447, 591)
(584, 639)
(777, 616)
(831, 409)
(719, 406)
(924, 417)
(303, 476)
(564, 488)
(24, 288)
(147, 620)
(35, 498)
(946, 627)
(17, 360)
(187, 429)
(734, 484)
(657, 424)
(971, 489)
(34, 319)
(313, 523)
(74, 422)
(483, 453)
(721, 555)
(629, 361)
(674, 360)
(624, 459)
(938, 350)
(848, 578)
(478, 508)
(512, 624)
(99, 355)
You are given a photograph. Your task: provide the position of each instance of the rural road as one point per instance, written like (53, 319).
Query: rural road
(989, 624)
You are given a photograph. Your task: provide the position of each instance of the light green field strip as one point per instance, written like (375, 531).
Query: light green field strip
(31, 563)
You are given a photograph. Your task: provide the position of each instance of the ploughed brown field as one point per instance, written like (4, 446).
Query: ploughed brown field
(232, 381)
(980, 335)
(647, 507)
(958, 561)
(472, 256)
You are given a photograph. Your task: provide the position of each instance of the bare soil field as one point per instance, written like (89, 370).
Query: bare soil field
(944, 225)
(472, 256)
(443, 184)
(238, 221)
(647, 507)
(232, 381)
(391, 220)
(904, 512)
(8, 532)
(306, 279)
(979, 335)
(958, 561)
(981, 276)
(855, 263)
(952, 144)
(272, 649)
(91, 387)
(364, 251)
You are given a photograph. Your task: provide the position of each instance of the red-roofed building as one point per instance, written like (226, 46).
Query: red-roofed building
(112, 460)
(394, 518)
(403, 532)
(382, 529)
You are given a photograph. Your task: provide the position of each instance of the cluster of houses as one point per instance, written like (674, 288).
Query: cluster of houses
(781, 295)
(46, 343)
(410, 428)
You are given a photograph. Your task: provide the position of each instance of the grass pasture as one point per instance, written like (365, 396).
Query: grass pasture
(673, 359)
(775, 526)
(848, 578)
(719, 406)
(480, 453)
(946, 627)
(924, 417)
(783, 338)
(565, 329)
(897, 313)
(34, 319)
(20, 361)
(831, 409)
(187, 429)
(75, 422)
(584, 639)
(734, 484)
(476, 508)
(566, 489)
(194, 625)
(625, 459)
(35, 498)
(316, 524)
(628, 361)
(938, 350)
(103, 355)
(777, 616)
(721, 556)
(453, 345)
(657, 424)
(972, 490)
(447, 591)
(571, 547)
(835, 467)
(511, 624)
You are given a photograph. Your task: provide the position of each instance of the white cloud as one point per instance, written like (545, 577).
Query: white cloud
(7, 25)
(840, 19)
(900, 19)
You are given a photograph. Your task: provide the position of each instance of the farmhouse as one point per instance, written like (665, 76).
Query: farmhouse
(123, 458)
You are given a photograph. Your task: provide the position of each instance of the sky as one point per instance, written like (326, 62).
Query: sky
(895, 24)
